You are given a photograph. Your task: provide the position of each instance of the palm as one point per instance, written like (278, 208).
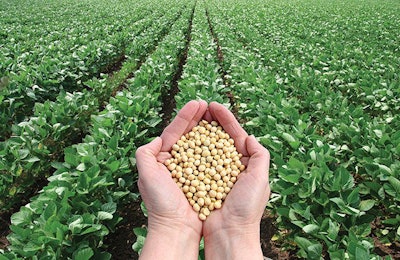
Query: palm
(167, 203)
(243, 205)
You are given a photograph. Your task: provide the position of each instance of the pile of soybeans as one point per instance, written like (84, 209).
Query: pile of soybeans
(205, 165)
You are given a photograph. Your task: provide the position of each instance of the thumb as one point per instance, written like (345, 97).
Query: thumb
(259, 157)
(146, 154)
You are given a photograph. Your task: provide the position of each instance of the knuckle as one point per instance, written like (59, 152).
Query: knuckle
(139, 151)
(266, 153)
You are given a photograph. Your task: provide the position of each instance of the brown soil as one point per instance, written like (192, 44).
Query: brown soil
(120, 242)
(114, 66)
(393, 251)
(168, 96)
(4, 229)
(267, 230)
(222, 71)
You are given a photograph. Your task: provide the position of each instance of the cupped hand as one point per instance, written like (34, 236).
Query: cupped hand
(245, 204)
(166, 204)
(170, 215)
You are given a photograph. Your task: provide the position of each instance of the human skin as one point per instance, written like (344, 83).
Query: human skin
(174, 229)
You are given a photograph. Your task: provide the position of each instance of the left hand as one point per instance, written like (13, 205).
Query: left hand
(168, 209)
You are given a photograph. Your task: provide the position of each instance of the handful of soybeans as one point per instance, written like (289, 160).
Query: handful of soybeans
(205, 165)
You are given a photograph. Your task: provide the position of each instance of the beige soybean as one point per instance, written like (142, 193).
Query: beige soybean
(205, 165)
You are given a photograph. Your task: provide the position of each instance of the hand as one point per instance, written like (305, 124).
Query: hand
(233, 232)
(230, 232)
(172, 223)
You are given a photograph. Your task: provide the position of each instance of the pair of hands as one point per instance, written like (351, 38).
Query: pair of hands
(174, 229)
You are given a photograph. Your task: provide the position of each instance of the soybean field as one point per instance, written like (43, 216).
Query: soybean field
(83, 84)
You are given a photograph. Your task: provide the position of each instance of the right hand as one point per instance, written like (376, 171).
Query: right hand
(241, 213)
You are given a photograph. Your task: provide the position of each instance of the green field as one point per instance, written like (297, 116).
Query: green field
(84, 83)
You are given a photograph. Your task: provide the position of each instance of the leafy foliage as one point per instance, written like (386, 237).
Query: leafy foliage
(201, 77)
(26, 157)
(77, 209)
(302, 84)
(47, 47)
(316, 81)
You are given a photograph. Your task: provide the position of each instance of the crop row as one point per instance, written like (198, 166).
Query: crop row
(315, 81)
(26, 157)
(78, 207)
(201, 78)
(335, 162)
(57, 49)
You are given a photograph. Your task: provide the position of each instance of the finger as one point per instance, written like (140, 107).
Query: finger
(163, 156)
(207, 116)
(229, 123)
(259, 158)
(198, 116)
(245, 161)
(146, 155)
(185, 120)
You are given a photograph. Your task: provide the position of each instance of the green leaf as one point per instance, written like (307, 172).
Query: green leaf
(109, 207)
(366, 205)
(32, 247)
(144, 209)
(354, 196)
(2, 257)
(304, 243)
(314, 251)
(296, 164)
(310, 228)
(313, 155)
(104, 132)
(102, 256)
(32, 159)
(378, 133)
(333, 230)
(385, 169)
(70, 159)
(292, 178)
(83, 253)
(82, 150)
(12, 191)
(391, 221)
(140, 231)
(395, 183)
(336, 254)
(22, 217)
(339, 202)
(113, 166)
(50, 210)
(91, 229)
(141, 234)
(81, 167)
(102, 215)
(113, 143)
(342, 180)
(291, 140)
(361, 254)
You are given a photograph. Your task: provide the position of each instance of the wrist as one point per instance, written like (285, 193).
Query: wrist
(165, 241)
(242, 242)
